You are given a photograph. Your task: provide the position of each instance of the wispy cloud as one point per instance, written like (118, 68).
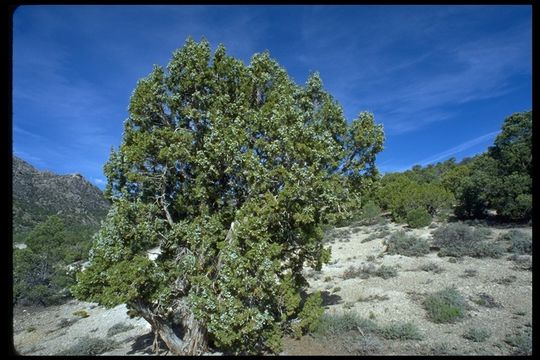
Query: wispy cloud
(459, 149)
(414, 76)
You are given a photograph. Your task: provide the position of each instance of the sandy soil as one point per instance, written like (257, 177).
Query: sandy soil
(405, 292)
(49, 331)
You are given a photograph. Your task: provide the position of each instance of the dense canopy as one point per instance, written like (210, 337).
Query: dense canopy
(231, 169)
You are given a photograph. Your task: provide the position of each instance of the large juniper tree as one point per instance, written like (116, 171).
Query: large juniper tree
(231, 170)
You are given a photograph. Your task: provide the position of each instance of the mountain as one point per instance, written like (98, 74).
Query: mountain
(39, 194)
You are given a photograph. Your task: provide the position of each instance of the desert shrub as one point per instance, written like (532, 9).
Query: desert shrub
(351, 272)
(367, 345)
(371, 213)
(64, 323)
(477, 335)
(119, 328)
(521, 262)
(461, 240)
(520, 242)
(81, 313)
(338, 324)
(521, 342)
(487, 249)
(469, 273)
(400, 331)
(507, 280)
(486, 300)
(403, 244)
(431, 267)
(445, 306)
(418, 218)
(90, 346)
(371, 237)
(386, 272)
(373, 298)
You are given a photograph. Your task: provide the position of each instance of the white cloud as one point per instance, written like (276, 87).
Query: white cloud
(460, 148)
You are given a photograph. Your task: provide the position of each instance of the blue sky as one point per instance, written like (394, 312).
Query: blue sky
(441, 79)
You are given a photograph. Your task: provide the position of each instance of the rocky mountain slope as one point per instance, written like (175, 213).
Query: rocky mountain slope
(38, 194)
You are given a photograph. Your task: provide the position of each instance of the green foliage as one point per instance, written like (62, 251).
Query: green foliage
(477, 335)
(459, 240)
(39, 273)
(386, 272)
(486, 300)
(501, 178)
(445, 306)
(418, 218)
(520, 243)
(401, 195)
(371, 213)
(400, 331)
(407, 245)
(338, 324)
(431, 267)
(309, 316)
(232, 170)
(81, 313)
(521, 342)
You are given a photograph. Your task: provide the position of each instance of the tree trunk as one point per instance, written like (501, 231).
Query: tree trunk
(187, 338)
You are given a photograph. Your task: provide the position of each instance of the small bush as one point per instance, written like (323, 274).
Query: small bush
(373, 298)
(367, 345)
(432, 267)
(522, 262)
(477, 335)
(400, 331)
(461, 240)
(445, 306)
(338, 324)
(469, 273)
(119, 328)
(386, 272)
(336, 289)
(403, 244)
(487, 249)
(351, 273)
(371, 213)
(486, 300)
(506, 280)
(81, 313)
(66, 322)
(90, 346)
(371, 237)
(520, 243)
(418, 218)
(521, 342)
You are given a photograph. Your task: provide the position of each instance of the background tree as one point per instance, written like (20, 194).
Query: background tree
(39, 272)
(231, 170)
(501, 178)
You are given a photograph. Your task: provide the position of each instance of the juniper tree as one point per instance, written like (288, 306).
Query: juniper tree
(231, 170)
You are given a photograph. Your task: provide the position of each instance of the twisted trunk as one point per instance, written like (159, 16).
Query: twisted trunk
(187, 338)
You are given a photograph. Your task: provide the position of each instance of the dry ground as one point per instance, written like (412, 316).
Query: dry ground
(49, 331)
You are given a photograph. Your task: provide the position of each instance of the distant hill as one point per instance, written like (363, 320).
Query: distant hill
(39, 194)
